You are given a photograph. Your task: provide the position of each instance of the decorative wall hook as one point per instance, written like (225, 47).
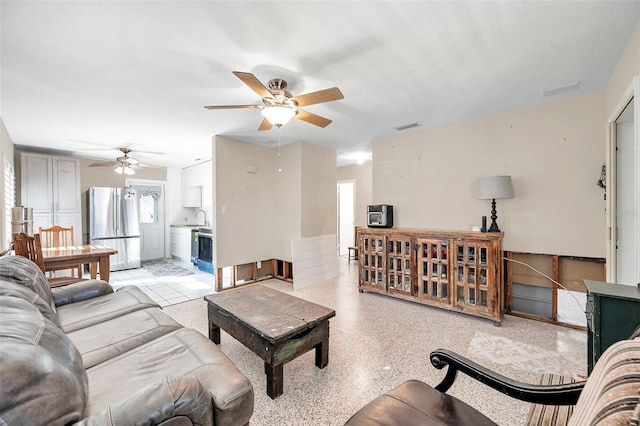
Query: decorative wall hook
(602, 182)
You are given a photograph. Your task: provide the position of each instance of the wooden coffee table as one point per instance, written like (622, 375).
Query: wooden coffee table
(275, 326)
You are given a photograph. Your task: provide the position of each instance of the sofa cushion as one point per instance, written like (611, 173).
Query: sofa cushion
(612, 391)
(116, 336)
(42, 379)
(182, 353)
(75, 316)
(24, 272)
(12, 289)
(416, 403)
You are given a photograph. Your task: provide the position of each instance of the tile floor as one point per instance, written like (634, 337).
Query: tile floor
(167, 290)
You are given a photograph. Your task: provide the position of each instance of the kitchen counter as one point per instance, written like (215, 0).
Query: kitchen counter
(190, 226)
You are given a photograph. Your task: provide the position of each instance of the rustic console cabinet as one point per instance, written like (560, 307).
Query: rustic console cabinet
(453, 270)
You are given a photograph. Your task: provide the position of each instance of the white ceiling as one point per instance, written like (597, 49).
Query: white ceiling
(83, 77)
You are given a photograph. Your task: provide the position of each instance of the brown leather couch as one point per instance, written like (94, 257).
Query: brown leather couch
(610, 396)
(84, 354)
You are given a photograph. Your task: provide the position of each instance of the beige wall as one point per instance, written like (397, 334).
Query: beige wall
(287, 222)
(245, 232)
(553, 152)
(7, 150)
(288, 198)
(319, 200)
(628, 67)
(362, 175)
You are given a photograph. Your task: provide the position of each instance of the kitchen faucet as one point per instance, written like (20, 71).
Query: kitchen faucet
(205, 216)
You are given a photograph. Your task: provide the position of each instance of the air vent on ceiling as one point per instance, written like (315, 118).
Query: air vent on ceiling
(406, 126)
(271, 142)
(561, 89)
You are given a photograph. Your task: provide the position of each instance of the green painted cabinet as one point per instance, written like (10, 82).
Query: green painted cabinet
(613, 313)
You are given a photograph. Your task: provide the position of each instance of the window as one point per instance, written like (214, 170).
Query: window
(9, 198)
(149, 207)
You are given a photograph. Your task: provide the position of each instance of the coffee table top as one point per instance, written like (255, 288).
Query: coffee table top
(270, 313)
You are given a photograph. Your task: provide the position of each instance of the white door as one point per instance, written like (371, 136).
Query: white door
(626, 187)
(151, 220)
(346, 206)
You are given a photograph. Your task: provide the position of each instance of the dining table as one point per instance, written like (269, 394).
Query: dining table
(96, 256)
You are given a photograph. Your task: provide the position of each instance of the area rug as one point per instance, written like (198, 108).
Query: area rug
(525, 357)
(162, 268)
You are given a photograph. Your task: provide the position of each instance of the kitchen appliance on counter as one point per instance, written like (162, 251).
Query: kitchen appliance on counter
(205, 250)
(380, 216)
(114, 222)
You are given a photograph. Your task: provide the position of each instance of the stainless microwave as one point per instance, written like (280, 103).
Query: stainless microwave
(380, 216)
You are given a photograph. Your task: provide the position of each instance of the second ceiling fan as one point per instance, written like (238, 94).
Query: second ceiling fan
(279, 105)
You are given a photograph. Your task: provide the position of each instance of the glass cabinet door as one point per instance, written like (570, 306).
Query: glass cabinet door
(400, 264)
(372, 259)
(433, 270)
(472, 275)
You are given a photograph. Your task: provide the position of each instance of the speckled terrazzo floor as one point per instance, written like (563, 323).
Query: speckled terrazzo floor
(377, 343)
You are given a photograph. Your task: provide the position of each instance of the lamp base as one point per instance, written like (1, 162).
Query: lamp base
(494, 216)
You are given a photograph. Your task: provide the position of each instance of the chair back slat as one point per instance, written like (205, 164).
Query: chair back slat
(57, 236)
(29, 247)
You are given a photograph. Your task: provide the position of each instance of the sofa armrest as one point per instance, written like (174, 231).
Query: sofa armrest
(171, 398)
(566, 394)
(80, 291)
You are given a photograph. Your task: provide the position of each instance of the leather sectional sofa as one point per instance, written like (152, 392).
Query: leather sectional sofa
(84, 354)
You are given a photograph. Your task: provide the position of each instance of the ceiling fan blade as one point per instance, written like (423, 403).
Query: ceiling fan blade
(146, 166)
(265, 125)
(312, 118)
(104, 164)
(232, 106)
(255, 84)
(326, 95)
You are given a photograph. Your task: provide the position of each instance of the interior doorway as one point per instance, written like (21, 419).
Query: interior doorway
(626, 249)
(346, 216)
(152, 217)
(623, 189)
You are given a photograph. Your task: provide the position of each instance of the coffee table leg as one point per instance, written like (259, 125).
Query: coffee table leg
(274, 380)
(214, 333)
(322, 354)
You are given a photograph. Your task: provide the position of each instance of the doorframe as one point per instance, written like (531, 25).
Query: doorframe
(352, 181)
(165, 225)
(632, 93)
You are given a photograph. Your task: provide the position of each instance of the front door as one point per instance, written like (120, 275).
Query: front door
(151, 220)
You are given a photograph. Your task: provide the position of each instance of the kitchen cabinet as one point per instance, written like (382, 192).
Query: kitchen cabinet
(180, 240)
(197, 185)
(51, 186)
(460, 271)
(613, 313)
(191, 188)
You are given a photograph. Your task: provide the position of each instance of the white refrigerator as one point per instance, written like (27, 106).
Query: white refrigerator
(114, 222)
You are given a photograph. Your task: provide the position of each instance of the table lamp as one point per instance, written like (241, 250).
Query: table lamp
(493, 188)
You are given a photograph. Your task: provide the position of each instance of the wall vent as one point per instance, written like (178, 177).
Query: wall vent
(406, 126)
(562, 89)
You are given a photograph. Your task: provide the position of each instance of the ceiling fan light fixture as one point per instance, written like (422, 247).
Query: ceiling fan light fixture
(124, 169)
(278, 115)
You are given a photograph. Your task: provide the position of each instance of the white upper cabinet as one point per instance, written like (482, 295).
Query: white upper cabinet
(197, 186)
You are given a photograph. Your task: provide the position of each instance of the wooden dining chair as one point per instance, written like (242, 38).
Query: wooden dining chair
(31, 248)
(57, 236)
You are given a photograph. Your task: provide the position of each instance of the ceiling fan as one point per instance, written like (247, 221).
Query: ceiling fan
(123, 164)
(279, 105)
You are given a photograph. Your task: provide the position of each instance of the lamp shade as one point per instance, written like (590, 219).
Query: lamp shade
(278, 115)
(494, 187)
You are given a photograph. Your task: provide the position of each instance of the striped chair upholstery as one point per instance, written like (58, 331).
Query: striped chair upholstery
(611, 395)
(551, 415)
